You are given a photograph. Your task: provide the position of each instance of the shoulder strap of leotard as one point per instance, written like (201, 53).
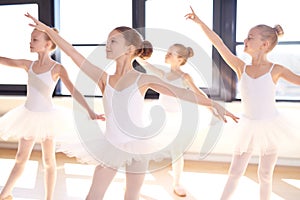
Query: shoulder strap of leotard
(53, 66)
(271, 67)
(30, 67)
(245, 66)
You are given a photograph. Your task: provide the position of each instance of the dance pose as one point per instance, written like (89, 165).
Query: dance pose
(262, 128)
(123, 99)
(176, 57)
(38, 120)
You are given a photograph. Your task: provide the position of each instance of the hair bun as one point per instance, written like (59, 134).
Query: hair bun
(190, 52)
(278, 29)
(147, 49)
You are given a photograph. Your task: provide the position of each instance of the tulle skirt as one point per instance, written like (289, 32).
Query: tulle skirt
(265, 136)
(23, 123)
(98, 143)
(92, 145)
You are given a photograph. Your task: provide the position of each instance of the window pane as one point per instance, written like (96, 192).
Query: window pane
(288, 56)
(90, 21)
(15, 39)
(269, 12)
(167, 29)
(95, 55)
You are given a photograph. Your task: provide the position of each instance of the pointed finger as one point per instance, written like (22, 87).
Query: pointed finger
(192, 10)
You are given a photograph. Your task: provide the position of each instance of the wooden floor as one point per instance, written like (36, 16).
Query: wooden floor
(203, 180)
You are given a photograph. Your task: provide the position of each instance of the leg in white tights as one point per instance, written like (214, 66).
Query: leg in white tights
(135, 179)
(23, 154)
(237, 169)
(103, 176)
(49, 162)
(265, 175)
(101, 179)
(177, 167)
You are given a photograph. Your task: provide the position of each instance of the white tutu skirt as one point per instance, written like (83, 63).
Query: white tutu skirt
(23, 123)
(265, 136)
(97, 145)
(91, 146)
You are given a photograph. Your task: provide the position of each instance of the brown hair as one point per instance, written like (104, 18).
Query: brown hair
(184, 52)
(270, 34)
(144, 49)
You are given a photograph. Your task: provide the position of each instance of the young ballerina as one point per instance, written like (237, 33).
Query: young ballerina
(38, 120)
(262, 128)
(123, 96)
(176, 57)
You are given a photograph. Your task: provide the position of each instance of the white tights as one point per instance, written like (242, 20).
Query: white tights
(238, 167)
(103, 177)
(177, 167)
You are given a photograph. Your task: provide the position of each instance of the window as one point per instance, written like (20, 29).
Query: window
(14, 40)
(163, 30)
(86, 24)
(287, 52)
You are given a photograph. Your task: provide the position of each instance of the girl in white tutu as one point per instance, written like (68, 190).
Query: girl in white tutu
(38, 120)
(261, 129)
(125, 143)
(176, 57)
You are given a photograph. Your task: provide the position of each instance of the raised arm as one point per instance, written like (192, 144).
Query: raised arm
(76, 94)
(162, 87)
(232, 60)
(94, 72)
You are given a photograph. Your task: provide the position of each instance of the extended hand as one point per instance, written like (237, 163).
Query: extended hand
(95, 116)
(37, 24)
(192, 16)
(221, 112)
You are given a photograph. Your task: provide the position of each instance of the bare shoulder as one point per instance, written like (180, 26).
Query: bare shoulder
(58, 68)
(187, 77)
(279, 69)
(25, 64)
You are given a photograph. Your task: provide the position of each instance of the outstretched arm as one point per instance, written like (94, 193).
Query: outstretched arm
(160, 86)
(233, 61)
(94, 72)
(20, 63)
(160, 73)
(287, 74)
(189, 81)
(77, 95)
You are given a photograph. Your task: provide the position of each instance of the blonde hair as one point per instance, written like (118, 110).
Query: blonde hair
(183, 52)
(270, 34)
(47, 38)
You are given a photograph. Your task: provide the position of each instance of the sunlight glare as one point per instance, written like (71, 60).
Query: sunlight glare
(79, 169)
(294, 182)
(28, 178)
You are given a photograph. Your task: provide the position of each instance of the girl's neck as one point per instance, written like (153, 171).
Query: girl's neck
(123, 66)
(175, 68)
(258, 60)
(44, 59)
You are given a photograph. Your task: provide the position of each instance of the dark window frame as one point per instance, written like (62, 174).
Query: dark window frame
(224, 23)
